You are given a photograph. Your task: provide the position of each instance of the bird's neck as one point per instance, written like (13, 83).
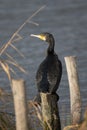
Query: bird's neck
(50, 49)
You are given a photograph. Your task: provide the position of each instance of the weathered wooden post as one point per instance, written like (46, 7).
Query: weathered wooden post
(19, 96)
(74, 89)
(50, 113)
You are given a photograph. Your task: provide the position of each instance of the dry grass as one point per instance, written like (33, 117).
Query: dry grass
(5, 64)
(35, 115)
(6, 119)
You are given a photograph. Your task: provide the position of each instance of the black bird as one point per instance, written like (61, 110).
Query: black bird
(49, 73)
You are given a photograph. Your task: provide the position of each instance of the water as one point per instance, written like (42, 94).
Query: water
(67, 21)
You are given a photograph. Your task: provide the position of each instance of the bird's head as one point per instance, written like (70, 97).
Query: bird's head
(44, 36)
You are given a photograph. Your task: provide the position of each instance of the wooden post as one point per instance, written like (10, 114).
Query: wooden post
(19, 96)
(50, 113)
(74, 89)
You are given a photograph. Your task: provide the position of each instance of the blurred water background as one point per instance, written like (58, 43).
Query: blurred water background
(67, 21)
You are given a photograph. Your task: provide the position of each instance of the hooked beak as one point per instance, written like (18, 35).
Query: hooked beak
(42, 37)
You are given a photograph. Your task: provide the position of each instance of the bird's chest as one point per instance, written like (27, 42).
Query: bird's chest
(47, 66)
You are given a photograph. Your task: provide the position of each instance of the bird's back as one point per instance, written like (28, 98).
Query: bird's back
(49, 74)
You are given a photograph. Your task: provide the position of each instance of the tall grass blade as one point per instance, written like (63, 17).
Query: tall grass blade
(5, 67)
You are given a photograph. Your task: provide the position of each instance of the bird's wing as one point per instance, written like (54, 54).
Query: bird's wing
(54, 76)
(38, 76)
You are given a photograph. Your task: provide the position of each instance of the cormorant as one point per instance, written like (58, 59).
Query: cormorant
(49, 73)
